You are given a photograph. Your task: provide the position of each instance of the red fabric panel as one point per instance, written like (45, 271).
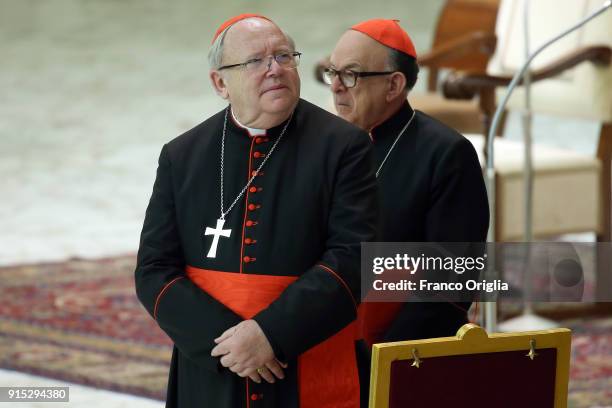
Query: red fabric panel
(245, 294)
(505, 379)
(327, 372)
(374, 318)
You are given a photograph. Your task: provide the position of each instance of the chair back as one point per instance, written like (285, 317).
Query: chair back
(582, 92)
(461, 17)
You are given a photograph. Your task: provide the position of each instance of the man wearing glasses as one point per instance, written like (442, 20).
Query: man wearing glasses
(429, 178)
(249, 253)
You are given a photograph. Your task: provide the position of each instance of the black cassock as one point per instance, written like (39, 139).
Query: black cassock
(431, 190)
(303, 217)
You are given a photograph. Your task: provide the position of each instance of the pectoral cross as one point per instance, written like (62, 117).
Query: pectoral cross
(216, 232)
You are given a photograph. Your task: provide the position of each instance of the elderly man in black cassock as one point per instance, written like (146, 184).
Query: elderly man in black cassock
(249, 253)
(429, 177)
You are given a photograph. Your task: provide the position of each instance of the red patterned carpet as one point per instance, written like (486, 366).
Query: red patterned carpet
(591, 363)
(80, 321)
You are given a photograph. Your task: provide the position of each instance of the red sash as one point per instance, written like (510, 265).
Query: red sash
(374, 319)
(327, 373)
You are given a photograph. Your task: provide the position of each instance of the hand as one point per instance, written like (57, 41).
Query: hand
(245, 348)
(267, 372)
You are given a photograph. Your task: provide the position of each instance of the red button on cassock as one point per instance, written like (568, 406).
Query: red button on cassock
(254, 397)
(257, 155)
(258, 140)
(252, 207)
(253, 190)
(250, 223)
(248, 259)
(248, 241)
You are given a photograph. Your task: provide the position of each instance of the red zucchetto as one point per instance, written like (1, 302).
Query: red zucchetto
(387, 32)
(234, 20)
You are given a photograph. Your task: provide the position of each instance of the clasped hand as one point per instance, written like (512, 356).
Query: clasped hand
(244, 348)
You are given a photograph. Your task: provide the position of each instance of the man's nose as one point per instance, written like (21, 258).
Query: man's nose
(273, 67)
(337, 85)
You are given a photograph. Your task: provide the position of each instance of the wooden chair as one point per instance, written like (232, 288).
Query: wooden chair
(572, 191)
(473, 369)
(464, 39)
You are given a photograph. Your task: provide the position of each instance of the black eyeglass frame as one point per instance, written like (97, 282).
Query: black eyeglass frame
(294, 54)
(358, 74)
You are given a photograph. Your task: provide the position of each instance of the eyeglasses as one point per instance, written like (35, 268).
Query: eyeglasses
(347, 77)
(287, 60)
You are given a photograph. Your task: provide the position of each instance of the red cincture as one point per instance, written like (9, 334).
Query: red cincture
(320, 384)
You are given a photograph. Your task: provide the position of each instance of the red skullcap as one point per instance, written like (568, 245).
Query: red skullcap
(387, 32)
(234, 20)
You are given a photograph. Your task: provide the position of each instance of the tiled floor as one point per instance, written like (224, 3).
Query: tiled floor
(80, 396)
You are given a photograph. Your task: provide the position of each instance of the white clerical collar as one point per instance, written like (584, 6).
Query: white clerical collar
(252, 131)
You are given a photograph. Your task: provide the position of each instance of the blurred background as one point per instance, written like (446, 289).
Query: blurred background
(90, 90)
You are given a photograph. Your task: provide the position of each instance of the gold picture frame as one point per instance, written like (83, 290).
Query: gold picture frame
(470, 339)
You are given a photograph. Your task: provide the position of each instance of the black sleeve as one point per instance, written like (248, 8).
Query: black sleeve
(325, 298)
(190, 317)
(459, 209)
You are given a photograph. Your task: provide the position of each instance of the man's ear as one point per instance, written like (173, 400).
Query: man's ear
(397, 85)
(218, 83)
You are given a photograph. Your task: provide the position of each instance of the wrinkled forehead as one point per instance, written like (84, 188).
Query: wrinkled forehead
(253, 37)
(357, 50)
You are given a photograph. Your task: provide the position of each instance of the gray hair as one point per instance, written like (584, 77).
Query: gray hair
(404, 63)
(215, 54)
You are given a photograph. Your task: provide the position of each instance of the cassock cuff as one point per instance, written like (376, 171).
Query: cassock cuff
(264, 324)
